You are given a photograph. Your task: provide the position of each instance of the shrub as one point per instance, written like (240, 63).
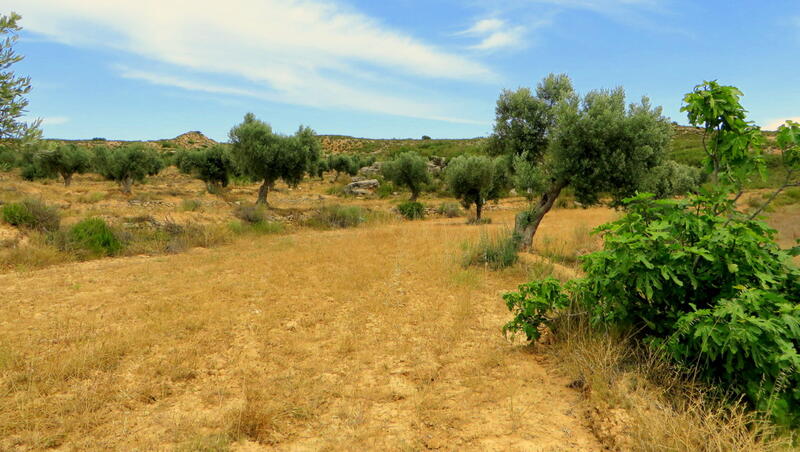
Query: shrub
(30, 162)
(412, 210)
(671, 179)
(95, 236)
(337, 217)
(450, 210)
(31, 214)
(385, 189)
(251, 213)
(8, 159)
(496, 251)
(705, 287)
(533, 306)
(191, 205)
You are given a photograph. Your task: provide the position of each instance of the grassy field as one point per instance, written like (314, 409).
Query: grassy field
(366, 338)
(297, 338)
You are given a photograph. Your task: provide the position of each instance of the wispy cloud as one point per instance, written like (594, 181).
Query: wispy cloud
(308, 52)
(496, 34)
(321, 94)
(55, 120)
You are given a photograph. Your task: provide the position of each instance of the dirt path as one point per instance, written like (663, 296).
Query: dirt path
(364, 339)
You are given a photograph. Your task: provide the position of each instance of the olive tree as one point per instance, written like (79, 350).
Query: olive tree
(263, 155)
(65, 160)
(476, 179)
(671, 179)
(13, 88)
(596, 145)
(212, 165)
(409, 170)
(342, 163)
(127, 164)
(320, 167)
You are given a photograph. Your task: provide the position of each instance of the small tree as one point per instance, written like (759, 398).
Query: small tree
(320, 168)
(731, 143)
(408, 169)
(127, 164)
(595, 145)
(475, 180)
(66, 160)
(13, 88)
(342, 163)
(212, 165)
(671, 179)
(264, 155)
(699, 280)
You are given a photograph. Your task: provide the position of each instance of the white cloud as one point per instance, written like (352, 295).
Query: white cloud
(54, 120)
(308, 52)
(485, 26)
(775, 123)
(496, 34)
(322, 93)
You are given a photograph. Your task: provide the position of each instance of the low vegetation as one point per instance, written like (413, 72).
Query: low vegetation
(495, 251)
(411, 210)
(338, 217)
(32, 214)
(678, 319)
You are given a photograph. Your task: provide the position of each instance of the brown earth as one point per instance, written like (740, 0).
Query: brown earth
(360, 339)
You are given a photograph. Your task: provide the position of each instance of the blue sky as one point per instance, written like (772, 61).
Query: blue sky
(152, 69)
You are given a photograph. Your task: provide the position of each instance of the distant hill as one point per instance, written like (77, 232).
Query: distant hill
(687, 144)
(188, 140)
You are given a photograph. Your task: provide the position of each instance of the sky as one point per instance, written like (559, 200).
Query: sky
(151, 69)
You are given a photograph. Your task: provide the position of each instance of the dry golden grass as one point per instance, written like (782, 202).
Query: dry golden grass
(639, 402)
(366, 338)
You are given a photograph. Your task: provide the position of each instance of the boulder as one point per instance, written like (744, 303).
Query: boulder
(371, 170)
(361, 187)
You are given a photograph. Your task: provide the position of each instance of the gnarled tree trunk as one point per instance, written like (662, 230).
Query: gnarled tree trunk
(263, 191)
(527, 222)
(126, 184)
(67, 179)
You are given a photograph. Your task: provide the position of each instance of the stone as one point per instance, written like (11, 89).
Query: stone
(361, 187)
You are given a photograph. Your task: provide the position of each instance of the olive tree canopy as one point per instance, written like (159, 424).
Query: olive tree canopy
(263, 155)
(597, 145)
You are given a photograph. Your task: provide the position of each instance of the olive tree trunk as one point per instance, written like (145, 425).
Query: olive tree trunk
(527, 222)
(125, 185)
(478, 210)
(67, 179)
(263, 191)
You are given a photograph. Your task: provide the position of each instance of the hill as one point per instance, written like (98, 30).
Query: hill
(687, 144)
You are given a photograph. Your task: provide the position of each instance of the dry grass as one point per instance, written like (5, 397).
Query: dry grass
(357, 339)
(639, 402)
